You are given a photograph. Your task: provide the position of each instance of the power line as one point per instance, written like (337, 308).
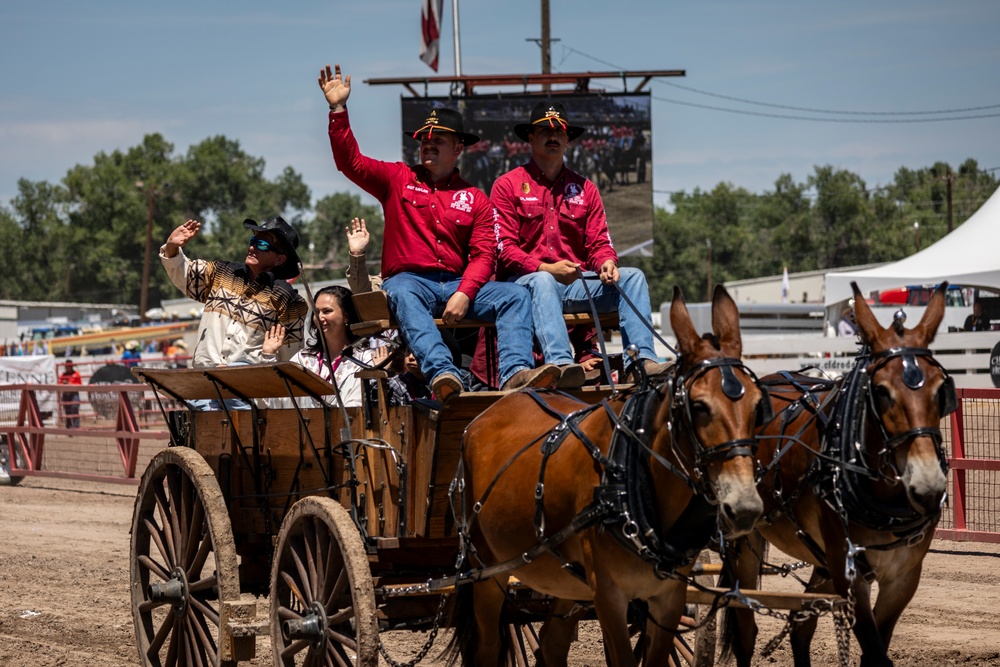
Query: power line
(760, 114)
(831, 111)
(744, 112)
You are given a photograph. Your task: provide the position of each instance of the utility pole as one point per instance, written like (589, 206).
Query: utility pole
(947, 181)
(546, 39)
(545, 44)
(708, 287)
(150, 193)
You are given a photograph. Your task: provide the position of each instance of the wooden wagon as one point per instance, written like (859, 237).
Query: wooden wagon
(319, 526)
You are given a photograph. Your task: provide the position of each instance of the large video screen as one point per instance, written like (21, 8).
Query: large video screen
(616, 151)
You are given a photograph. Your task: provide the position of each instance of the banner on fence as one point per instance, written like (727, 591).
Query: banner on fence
(35, 369)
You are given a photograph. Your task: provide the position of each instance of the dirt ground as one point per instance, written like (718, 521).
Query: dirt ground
(64, 580)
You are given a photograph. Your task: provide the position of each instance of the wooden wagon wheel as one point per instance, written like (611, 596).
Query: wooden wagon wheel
(322, 600)
(183, 563)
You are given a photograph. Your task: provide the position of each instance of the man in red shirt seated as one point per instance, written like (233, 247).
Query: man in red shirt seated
(439, 246)
(552, 228)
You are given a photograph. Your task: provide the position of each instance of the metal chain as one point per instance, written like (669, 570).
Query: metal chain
(843, 621)
(427, 645)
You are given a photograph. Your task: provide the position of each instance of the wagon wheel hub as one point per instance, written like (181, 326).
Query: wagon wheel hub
(175, 591)
(310, 627)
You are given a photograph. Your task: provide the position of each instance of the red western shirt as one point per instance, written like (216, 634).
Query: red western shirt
(444, 226)
(546, 221)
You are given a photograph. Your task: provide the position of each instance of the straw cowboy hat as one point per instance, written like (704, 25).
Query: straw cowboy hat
(548, 113)
(132, 345)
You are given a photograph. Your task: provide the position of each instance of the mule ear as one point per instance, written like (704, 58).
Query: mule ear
(927, 328)
(726, 322)
(680, 320)
(868, 326)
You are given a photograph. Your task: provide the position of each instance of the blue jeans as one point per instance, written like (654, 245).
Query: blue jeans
(417, 298)
(549, 296)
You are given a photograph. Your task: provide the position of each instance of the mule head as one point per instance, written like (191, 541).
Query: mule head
(909, 393)
(713, 410)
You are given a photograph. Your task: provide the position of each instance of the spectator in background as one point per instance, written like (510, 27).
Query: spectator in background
(976, 321)
(70, 400)
(175, 352)
(846, 326)
(132, 354)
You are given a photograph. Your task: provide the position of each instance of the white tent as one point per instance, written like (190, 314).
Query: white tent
(970, 256)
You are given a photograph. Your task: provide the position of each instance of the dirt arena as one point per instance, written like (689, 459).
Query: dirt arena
(64, 597)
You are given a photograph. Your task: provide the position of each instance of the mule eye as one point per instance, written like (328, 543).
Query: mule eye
(947, 397)
(700, 414)
(883, 399)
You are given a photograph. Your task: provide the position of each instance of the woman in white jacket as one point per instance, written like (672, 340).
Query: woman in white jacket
(334, 311)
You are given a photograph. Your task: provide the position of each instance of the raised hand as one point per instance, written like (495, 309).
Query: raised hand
(357, 237)
(180, 236)
(336, 88)
(273, 338)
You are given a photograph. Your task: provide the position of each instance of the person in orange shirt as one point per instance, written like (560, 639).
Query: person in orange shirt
(70, 400)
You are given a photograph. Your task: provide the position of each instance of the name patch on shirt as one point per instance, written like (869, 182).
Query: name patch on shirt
(463, 201)
(418, 189)
(573, 193)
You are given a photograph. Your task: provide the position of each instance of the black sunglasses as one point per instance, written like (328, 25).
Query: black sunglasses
(263, 245)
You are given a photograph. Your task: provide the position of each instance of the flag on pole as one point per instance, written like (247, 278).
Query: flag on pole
(430, 31)
(785, 289)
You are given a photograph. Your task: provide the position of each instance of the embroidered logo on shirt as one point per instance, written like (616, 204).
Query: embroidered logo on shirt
(525, 188)
(463, 201)
(573, 193)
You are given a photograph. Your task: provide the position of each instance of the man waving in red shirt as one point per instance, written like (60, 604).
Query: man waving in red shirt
(439, 246)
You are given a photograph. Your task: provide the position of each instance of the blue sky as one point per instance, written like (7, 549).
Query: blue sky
(81, 77)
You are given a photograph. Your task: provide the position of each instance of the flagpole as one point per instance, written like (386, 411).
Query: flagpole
(458, 44)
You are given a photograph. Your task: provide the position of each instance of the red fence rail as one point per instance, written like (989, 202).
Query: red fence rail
(100, 432)
(121, 428)
(973, 513)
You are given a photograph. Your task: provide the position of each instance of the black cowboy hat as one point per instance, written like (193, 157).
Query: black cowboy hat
(548, 113)
(289, 239)
(443, 119)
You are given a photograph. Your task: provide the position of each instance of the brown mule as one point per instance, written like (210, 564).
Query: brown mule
(885, 503)
(693, 453)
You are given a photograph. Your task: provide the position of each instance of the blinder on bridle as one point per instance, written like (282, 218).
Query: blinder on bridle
(734, 390)
(913, 378)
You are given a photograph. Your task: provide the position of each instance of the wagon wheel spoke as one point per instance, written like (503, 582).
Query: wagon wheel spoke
(204, 641)
(305, 581)
(154, 567)
(337, 590)
(156, 535)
